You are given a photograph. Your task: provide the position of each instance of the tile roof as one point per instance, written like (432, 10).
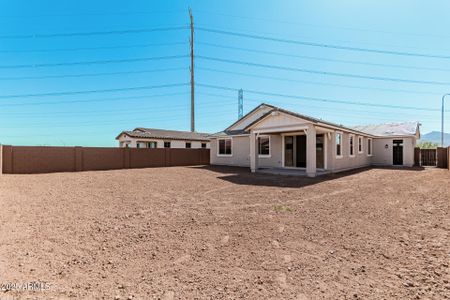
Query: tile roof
(154, 133)
(390, 129)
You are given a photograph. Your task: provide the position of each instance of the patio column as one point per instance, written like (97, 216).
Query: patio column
(253, 152)
(311, 151)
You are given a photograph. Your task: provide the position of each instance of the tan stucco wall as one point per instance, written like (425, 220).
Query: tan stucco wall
(346, 161)
(275, 159)
(240, 153)
(384, 156)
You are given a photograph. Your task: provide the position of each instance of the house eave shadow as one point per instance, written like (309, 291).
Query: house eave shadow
(243, 176)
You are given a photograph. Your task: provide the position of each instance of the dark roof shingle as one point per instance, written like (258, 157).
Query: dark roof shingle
(154, 133)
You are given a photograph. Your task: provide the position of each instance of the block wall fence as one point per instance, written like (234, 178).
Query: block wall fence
(32, 160)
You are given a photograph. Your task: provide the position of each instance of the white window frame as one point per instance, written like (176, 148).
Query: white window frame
(148, 144)
(369, 140)
(170, 144)
(342, 142)
(350, 137)
(270, 147)
(224, 155)
(361, 138)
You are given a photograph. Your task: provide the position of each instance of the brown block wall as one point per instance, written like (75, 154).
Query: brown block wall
(442, 157)
(30, 160)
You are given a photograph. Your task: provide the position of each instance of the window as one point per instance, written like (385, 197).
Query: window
(369, 147)
(360, 144)
(188, 145)
(338, 144)
(203, 145)
(166, 144)
(351, 141)
(152, 145)
(264, 146)
(138, 145)
(224, 147)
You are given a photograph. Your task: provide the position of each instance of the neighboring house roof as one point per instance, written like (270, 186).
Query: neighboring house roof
(391, 129)
(154, 133)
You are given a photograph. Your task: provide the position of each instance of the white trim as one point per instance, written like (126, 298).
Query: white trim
(281, 129)
(335, 144)
(218, 147)
(362, 144)
(270, 146)
(371, 147)
(325, 156)
(350, 136)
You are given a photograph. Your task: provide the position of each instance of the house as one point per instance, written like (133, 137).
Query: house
(273, 138)
(160, 138)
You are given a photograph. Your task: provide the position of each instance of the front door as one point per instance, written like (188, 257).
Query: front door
(301, 151)
(320, 164)
(397, 151)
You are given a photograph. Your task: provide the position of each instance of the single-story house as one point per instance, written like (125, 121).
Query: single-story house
(270, 137)
(160, 138)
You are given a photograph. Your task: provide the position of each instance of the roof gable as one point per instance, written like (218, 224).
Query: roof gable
(276, 118)
(250, 117)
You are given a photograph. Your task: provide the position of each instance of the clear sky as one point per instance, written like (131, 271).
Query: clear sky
(83, 48)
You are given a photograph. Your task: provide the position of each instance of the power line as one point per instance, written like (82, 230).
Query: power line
(322, 72)
(323, 26)
(92, 100)
(371, 112)
(92, 62)
(316, 83)
(94, 33)
(319, 99)
(322, 45)
(113, 122)
(94, 91)
(93, 48)
(98, 112)
(91, 74)
(323, 58)
(95, 14)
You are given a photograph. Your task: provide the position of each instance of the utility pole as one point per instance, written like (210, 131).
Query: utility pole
(240, 103)
(192, 72)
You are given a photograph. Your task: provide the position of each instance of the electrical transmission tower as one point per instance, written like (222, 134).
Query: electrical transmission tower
(240, 103)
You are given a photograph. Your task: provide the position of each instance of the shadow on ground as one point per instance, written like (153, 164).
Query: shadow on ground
(243, 176)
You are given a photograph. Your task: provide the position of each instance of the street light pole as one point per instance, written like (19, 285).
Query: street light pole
(442, 121)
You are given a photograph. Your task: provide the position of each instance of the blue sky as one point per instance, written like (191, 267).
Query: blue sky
(36, 35)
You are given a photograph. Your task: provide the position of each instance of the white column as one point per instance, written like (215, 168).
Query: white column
(253, 152)
(311, 151)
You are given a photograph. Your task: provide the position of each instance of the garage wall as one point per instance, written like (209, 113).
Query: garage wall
(383, 155)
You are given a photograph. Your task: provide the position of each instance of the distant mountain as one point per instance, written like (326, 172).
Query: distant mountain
(435, 137)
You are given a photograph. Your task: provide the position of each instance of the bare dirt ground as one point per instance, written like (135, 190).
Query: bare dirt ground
(223, 233)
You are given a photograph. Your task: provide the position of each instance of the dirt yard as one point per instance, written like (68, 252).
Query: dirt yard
(223, 233)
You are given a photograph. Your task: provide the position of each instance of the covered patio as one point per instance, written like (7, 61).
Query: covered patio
(304, 148)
